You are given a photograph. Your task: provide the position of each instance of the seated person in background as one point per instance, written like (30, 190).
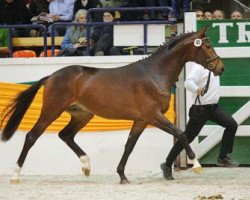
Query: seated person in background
(148, 14)
(37, 7)
(199, 14)
(218, 14)
(180, 6)
(27, 3)
(133, 15)
(88, 4)
(103, 37)
(74, 41)
(236, 15)
(4, 42)
(112, 3)
(14, 12)
(208, 15)
(61, 11)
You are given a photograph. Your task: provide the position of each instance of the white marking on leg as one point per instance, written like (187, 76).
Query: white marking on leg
(85, 160)
(15, 177)
(195, 163)
(196, 166)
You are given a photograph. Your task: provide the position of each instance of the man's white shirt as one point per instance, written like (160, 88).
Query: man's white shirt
(197, 78)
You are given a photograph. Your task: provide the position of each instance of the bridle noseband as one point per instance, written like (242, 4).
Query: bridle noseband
(209, 62)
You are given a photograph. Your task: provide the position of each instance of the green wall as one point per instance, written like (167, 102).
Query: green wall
(237, 73)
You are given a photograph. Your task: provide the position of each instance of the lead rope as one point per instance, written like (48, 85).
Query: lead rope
(150, 176)
(205, 90)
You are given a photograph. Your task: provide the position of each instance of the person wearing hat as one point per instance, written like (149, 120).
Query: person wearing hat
(103, 37)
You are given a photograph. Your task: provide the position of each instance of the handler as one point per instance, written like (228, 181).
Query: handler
(205, 109)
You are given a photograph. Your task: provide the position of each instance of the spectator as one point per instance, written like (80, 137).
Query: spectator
(236, 15)
(4, 42)
(74, 41)
(103, 37)
(88, 4)
(218, 14)
(208, 15)
(37, 7)
(14, 12)
(180, 6)
(133, 15)
(27, 3)
(61, 11)
(199, 14)
(139, 15)
(112, 3)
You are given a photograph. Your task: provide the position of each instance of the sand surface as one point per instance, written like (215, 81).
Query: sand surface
(213, 183)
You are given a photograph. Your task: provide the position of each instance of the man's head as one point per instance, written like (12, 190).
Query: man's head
(208, 15)
(108, 16)
(9, 1)
(84, 2)
(199, 15)
(218, 14)
(236, 15)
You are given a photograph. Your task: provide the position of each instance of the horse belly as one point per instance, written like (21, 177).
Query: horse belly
(108, 108)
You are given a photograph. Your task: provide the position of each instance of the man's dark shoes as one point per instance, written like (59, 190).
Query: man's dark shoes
(226, 162)
(167, 171)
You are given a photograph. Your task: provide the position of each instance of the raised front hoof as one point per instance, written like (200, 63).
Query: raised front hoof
(124, 182)
(86, 171)
(15, 181)
(197, 170)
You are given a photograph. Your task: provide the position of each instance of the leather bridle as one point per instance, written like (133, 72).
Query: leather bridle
(209, 61)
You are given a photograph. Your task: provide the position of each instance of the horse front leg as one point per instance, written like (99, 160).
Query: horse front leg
(134, 134)
(164, 124)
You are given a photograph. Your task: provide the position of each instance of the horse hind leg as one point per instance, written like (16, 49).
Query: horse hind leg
(77, 122)
(136, 131)
(49, 113)
(30, 139)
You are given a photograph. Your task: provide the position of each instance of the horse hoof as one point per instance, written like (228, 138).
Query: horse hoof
(124, 182)
(197, 170)
(15, 181)
(86, 171)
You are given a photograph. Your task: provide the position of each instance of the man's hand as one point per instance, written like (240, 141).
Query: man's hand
(200, 91)
(82, 41)
(55, 18)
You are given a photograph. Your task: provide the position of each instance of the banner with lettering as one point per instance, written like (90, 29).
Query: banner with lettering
(227, 33)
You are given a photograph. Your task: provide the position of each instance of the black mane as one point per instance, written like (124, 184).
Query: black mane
(170, 44)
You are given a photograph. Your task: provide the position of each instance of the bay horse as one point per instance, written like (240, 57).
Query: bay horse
(139, 92)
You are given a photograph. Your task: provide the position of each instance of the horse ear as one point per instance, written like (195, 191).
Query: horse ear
(203, 31)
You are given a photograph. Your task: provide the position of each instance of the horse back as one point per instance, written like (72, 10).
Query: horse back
(116, 93)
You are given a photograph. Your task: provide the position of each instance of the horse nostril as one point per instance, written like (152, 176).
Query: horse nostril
(223, 69)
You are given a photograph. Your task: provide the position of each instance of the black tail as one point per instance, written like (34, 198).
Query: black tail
(17, 109)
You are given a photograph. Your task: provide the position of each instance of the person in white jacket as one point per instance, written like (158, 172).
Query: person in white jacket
(205, 108)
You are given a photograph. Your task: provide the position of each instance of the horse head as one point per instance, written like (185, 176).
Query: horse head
(205, 54)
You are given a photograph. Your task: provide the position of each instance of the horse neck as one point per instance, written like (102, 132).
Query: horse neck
(171, 64)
